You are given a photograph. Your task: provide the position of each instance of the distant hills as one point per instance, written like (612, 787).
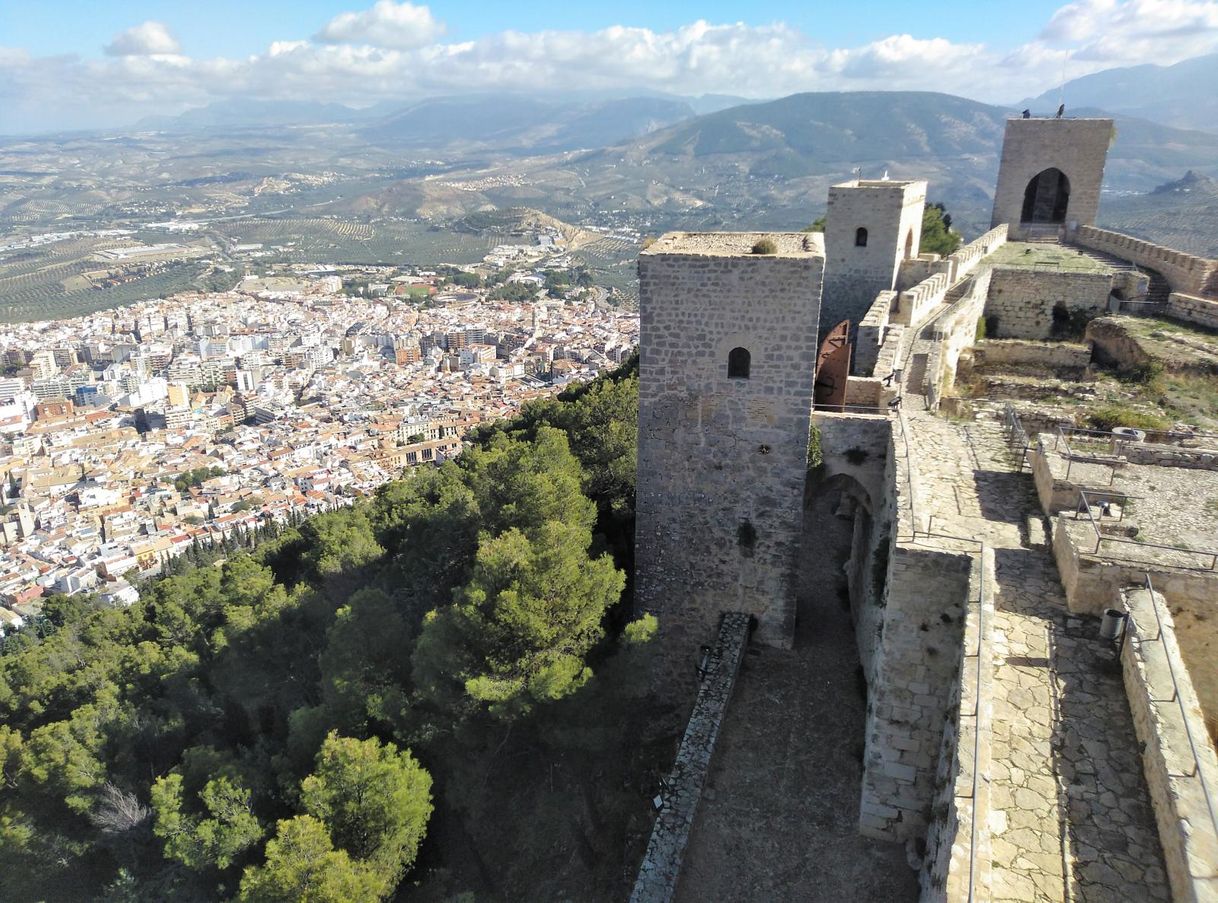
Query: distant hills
(1182, 95)
(506, 122)
(522, 123)
(1181, 214)
(773, 162)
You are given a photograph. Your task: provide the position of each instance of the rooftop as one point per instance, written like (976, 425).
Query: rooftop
(738, 244)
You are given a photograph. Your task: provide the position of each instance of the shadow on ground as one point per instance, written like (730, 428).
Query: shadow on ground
(779, 820)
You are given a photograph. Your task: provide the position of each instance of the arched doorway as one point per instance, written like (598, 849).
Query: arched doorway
(909, 244)
(1046, 198)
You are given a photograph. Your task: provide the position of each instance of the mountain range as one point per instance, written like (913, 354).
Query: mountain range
(770, 164)
(1182, 95)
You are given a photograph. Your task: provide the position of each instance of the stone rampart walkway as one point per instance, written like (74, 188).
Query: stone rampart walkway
(1070, 814)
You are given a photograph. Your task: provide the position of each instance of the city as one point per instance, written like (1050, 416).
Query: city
(132, 435)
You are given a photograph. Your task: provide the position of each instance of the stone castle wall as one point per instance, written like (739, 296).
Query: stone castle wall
(1021, 301)
(955, 330)
(966, 258)
(1077, 147)
(1175, 777)
(722, 462)
(891, 212)
(872, 330)
(1184, 272)
(958, 859)
(1193, 309)
(1021, 352)
(661, 867)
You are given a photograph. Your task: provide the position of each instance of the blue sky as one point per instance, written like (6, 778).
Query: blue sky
(76, 64)
(230, 27)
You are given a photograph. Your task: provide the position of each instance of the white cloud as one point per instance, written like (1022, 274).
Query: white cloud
(385, 24)
(146, 39)
(1115, 33)
(392, 50)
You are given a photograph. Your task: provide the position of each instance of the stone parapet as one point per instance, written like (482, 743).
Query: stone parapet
(957, 862)
(1178, 758)
(871, 333)
(1092, 577)
(661, 867)
(1172, 455)
(916, 304)
(965, 259)
(1185, 273)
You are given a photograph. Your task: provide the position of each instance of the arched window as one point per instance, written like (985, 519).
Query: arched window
(738, 360)
(860, 237)
(909, 245)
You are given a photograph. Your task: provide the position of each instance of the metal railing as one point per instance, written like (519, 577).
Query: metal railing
(1085, 505)
(866, 409)
(1115, 448)
(1198, 772)
(1016, 435)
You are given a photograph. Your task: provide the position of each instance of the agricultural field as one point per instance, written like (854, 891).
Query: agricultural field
(332, 240)
(612, 264)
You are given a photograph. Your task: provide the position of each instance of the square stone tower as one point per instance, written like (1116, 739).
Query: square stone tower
(726, 357)
(871, 226)
(1050, 174)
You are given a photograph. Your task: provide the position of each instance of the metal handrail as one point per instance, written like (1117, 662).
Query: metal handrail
(1061, 440)
(1192, 744)
(1016, 432)
(1100, 538)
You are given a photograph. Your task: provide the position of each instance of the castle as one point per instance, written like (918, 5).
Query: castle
(965, 620)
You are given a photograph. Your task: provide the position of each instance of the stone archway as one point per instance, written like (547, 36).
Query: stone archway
(1046, 197)
(839, 535)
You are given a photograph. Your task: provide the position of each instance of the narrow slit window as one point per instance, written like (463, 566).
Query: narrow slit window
(738, 362)
(860, 237)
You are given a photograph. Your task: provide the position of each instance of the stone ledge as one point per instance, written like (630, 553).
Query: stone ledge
(1187, 831)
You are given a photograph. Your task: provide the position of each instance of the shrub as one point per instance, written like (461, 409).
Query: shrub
(1111, 416)
(765, 246)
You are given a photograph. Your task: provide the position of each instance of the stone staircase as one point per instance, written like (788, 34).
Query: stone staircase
(1159, 289)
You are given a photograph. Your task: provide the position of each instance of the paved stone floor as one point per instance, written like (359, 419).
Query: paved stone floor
(779, 820)
(1071, 817)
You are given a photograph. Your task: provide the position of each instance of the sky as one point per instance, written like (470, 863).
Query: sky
(67, 64)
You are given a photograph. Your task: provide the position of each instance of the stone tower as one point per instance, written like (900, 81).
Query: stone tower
(871, 226)
(1050, 174)
(727, 351)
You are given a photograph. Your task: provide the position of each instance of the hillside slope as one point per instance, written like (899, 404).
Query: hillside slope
(1181, 95)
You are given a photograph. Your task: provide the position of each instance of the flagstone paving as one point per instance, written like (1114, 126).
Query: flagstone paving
(1070, 813)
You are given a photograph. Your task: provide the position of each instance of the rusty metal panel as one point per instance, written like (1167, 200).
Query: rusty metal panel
(833, 367)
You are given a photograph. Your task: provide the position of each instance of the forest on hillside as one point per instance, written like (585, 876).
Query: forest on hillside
(435, 694)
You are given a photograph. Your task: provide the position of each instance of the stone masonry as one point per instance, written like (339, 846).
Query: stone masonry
(1021, 302)
(722, 461)
(891, 213)
(657, 879)
(1077, 147)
